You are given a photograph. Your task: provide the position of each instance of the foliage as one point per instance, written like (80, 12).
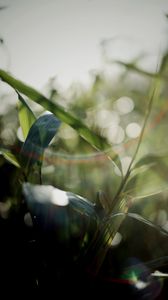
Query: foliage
(125, 176)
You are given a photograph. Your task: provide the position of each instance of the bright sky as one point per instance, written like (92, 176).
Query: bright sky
(62, 38)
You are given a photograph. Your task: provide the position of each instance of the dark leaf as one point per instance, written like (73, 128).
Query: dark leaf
(66, 217)
(38, 139)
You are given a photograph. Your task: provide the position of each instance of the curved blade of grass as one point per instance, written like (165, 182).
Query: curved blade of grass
(158, 193)
(147, 222)
(158, 163)
(154, 185)
(9, 156)
(150, 159)
(92, 138)
(26, 116)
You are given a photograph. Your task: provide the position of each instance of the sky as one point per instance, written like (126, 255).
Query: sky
(62, 38)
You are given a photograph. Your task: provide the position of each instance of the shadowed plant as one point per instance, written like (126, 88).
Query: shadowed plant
(71, 234)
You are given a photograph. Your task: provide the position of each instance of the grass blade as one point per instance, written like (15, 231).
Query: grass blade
(9, 156)
(26, 116)
(92, 138)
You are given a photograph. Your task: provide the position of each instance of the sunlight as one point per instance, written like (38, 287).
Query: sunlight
(115, 134)
(124, 105)
(59, 197)
(117, 239)
(125, 162)
(20, 134)
(107, 118)
(133, 130)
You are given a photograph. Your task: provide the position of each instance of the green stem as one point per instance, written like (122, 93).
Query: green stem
(124, 181)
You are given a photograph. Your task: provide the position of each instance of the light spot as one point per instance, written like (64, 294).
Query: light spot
(159, 274)
(133, 130)
(162, 217)
(106, 118)
(28, 220)
(117, 171)
(115, 134)
(48, 169)
(8, 134)
(5, 209)
(20, 134)
(141, 284)
(59, 197)
(165, 226)
(66, 132)
(125, 162)
(46, 112)
(117, 239)
(124, 105)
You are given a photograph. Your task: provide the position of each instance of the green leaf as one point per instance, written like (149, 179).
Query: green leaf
(92, 138)
(10, 157)
(47, 194)
(26, 116)
(39, 137)
(149, 182)
(147, 222)
(150, 159)
(148, 166)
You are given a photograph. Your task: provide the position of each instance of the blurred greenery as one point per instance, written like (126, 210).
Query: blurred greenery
(100, 121)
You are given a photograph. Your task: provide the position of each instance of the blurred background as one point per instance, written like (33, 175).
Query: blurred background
(68, 39)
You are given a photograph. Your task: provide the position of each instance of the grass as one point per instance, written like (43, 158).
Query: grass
(77, 240)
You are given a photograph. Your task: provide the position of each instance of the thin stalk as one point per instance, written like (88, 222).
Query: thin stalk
(124, 181)
(40, 176)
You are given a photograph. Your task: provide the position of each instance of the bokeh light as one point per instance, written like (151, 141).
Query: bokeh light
(124, 105)
(133, 130)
